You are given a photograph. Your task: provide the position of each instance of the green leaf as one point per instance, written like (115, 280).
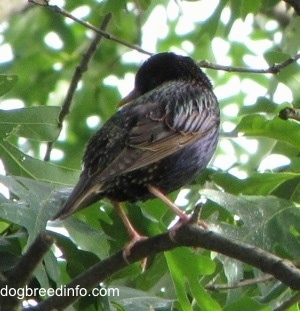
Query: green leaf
(255, 184)
(115, 7)
(250, 7)
(77, 259)
(34, 205)
(132, 299)
(20, 164)
(245, 304)
(275, 56)
(183, 273)
(262, 104)
(37, 123)
(7, 82)
(143, 4)
(291, 40)
(283, 130)
(266, 221)
(87, 238)
(212, 23)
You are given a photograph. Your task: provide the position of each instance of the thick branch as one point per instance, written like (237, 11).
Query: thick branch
(20, 275)
(187, 235)
(295, 4)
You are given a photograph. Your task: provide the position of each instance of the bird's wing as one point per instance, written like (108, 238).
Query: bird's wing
(164, 130)
(141, 134)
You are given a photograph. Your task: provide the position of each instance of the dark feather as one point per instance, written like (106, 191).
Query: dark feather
(165, 137)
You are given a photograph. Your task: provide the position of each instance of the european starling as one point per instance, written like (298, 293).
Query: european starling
(163, 135)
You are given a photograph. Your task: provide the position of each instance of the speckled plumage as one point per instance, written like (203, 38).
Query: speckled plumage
(164, 137)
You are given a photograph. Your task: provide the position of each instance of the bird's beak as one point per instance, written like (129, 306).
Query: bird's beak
(131, 96)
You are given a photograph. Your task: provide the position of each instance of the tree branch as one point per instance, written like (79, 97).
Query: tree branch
(189, 235)
(289, 113)
(243, 283)
(295, 4)
(103, 33)
(80, 69)
(274, 69)
(20, 275)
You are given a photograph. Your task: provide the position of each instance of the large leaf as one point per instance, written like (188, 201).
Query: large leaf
(7, 82)
(258, 125)
(19, 164)
(266, 221)
(87, 238)
(37, 123)
(184, 274)
(132, 300)
(256, 184)
(34, 204)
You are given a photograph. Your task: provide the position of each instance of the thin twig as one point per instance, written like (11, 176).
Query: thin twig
(80, 69)
(104, 34)
(217, 287)
(274, 69)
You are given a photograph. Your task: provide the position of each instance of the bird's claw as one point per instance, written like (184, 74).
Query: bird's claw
(127, 249)
(191, 220)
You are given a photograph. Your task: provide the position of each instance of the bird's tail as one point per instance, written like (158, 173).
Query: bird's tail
(83, 195)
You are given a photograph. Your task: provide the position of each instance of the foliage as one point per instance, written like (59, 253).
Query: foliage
(251, 195)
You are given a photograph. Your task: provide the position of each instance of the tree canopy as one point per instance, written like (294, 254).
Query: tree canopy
(64, 66)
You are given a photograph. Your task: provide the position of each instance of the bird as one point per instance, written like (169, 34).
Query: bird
(162, 136)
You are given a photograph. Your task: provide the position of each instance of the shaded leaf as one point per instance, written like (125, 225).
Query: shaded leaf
(35, 203)
(87, 238)
(183, 273)
(7, 82)
(132, 300)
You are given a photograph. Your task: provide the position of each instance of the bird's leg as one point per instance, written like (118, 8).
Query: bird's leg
(157, 193)
(133, 234)
(184, 218)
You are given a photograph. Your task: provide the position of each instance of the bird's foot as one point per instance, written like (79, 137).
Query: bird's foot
(186, 219)
(135, 237)
(183, 218)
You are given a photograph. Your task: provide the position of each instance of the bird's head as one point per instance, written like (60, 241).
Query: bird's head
(165, 67)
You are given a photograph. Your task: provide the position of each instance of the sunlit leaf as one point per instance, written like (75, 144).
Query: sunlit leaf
(20, 164)
(255, 184)
(37, 123)
(258, 125)
(266, 220)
